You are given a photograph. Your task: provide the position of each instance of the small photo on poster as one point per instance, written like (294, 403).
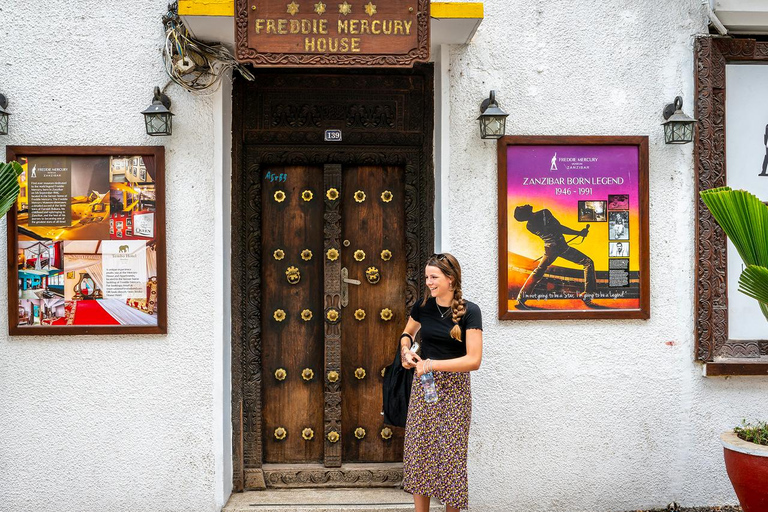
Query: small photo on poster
(40, 270)
(130, 169)
(132, 207)
(42, 312)
(592, 211)
(63, 198)
(84, 275)
(618, 201)
(618, 225)
(144, 224)
(618, 249)
(110, 282)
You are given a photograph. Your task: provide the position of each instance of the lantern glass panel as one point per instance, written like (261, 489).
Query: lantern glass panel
(4, 124)
(492, 127)
(158, 124)
(678, 133)
(688, 132)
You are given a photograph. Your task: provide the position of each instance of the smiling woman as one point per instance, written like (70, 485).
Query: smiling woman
(437, 428)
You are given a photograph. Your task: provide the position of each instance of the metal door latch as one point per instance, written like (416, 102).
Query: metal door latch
(345, 282)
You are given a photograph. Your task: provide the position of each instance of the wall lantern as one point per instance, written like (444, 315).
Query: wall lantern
(3, 115)
(678, 127)
(157, 117)
(493, 120)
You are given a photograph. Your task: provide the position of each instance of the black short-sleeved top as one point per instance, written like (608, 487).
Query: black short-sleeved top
(436, 341)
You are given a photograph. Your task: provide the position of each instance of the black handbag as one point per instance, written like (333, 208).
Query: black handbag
(396, 392)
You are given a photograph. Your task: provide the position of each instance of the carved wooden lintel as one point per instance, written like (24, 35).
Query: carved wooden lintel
(711, 296)
(371, 475)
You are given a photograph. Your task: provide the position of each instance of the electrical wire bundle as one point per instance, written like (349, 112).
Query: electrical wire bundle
(195, 66)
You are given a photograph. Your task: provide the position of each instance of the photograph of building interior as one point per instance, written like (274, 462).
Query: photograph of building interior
(84, 285)
(40, 270)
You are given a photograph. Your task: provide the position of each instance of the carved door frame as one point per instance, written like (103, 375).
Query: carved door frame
(412, 149)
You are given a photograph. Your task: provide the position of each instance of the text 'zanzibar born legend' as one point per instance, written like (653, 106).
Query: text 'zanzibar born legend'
(335, 31)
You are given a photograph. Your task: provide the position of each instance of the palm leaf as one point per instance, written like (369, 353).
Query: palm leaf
(9, 185)
(744, 218)
(754, 283)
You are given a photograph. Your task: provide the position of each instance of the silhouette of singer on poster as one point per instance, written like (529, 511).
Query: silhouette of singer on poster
(544, 225)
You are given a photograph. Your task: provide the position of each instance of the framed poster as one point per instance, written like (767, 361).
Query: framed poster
(86, 241)
(573, 228)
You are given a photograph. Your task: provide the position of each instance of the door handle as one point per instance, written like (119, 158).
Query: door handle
(345, 282)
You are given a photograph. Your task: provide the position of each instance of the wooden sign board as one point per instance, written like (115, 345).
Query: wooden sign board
(298, 33)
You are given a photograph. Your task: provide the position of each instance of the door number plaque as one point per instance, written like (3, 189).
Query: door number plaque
(332, 135)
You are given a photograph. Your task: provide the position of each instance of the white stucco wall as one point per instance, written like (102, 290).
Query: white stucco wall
(125, 422)
(589, 415)
(568, 415)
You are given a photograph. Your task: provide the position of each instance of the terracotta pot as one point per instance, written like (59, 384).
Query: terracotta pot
(747, 466)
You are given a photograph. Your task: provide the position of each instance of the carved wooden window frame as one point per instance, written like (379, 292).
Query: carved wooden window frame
(252, 149)
(721, 355)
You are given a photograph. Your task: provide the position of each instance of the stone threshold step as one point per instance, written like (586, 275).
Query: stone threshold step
(324, 500)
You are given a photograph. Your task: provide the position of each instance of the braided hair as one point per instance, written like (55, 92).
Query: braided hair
(449, 266)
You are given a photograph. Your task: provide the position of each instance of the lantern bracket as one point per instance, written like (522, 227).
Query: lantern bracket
(160, 97)
(671, 108)
(488, 101)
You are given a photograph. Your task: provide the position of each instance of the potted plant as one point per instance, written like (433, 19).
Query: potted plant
(9, 185)
(746, 459)
(744, 218)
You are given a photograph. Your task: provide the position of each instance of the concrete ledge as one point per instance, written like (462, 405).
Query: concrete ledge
(324, 500)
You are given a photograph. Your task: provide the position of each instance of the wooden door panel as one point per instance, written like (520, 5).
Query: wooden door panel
(293, 344)
(372, 226)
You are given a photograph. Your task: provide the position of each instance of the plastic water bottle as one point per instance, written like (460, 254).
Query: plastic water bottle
(428, 383)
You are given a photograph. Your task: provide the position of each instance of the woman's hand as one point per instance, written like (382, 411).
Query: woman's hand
(410, 359)
(420, 368)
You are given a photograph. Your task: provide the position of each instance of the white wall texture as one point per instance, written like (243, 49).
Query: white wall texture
(120, 423)
(568, 415)
(589, 415)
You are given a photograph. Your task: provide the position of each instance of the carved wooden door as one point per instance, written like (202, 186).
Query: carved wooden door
(333, 302)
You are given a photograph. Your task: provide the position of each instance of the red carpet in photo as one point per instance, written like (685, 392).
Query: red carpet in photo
(89, 312)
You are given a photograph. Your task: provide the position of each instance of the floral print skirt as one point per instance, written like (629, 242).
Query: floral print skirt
(436, 436)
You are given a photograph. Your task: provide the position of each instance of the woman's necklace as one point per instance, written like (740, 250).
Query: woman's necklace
(442, 315)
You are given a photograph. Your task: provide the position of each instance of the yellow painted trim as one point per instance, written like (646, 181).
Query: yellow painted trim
(442, 10)
(207, 8)
(462, 10)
